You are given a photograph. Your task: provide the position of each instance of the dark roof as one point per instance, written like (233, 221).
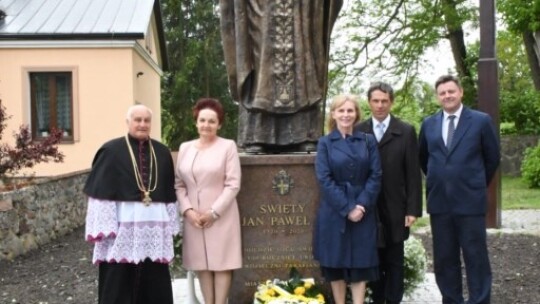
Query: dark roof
(80, 20)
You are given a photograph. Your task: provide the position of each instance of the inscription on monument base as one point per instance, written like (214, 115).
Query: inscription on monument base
(277, 226)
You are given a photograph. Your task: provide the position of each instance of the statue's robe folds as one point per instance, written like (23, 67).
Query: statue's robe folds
(276, 52)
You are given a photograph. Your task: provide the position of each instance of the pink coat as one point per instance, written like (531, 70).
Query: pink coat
(210, 179)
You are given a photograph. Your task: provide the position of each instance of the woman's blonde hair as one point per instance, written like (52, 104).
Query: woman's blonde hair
(337, 102)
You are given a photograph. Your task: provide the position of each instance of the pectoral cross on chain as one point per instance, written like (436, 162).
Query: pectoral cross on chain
(147, 200)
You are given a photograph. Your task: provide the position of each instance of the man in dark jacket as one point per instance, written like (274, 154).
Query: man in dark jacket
(400, 199)
(459, 153)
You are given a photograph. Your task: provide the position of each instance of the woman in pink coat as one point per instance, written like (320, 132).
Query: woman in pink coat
(207, 181)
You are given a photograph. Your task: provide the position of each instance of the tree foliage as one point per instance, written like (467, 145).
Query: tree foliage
(26, 152)
(374, 39)
(519, 101)
(387, 39)
(522, 110)
(514, 73)
(414, 101)
(520, 15)
(197, 69)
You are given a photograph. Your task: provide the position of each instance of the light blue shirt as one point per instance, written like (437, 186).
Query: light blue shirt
(375, 122)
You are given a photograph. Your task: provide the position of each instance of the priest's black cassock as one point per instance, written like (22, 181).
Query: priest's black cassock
(133, 240)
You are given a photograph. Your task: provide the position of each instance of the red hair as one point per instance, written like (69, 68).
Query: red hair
(209, 103)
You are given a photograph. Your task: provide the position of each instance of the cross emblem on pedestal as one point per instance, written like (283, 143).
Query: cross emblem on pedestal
(282, 183)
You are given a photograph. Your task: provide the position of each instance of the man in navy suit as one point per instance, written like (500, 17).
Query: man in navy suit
(400, 200)
(459, 153)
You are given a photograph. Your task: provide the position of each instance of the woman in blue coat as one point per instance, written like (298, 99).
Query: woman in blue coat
(349, 175)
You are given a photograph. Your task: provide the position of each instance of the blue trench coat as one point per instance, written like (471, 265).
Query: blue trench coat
(349, 174)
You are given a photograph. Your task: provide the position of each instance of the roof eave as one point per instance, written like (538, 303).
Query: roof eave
(71, 36)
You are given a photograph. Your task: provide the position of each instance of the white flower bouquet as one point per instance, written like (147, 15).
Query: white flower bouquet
(415, 264)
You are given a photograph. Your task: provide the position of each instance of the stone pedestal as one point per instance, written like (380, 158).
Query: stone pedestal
(278, 201)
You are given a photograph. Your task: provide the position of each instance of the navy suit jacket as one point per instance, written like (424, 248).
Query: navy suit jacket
(457, 177)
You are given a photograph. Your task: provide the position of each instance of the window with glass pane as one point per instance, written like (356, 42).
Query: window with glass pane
(52, 103)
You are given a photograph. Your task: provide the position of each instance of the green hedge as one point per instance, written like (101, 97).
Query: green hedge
(530, 167)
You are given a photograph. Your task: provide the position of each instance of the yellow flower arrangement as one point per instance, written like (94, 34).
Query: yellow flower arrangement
(293, 291)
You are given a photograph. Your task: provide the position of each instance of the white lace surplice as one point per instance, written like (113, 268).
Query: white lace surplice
(130, 232)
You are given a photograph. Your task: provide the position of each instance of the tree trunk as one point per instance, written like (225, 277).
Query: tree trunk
(459, 52)
(530, 42)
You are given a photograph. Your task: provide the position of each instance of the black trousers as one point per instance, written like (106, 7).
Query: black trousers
(143, 283)
(389, 288)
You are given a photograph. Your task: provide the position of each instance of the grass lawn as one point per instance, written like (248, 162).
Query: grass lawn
(514, 195)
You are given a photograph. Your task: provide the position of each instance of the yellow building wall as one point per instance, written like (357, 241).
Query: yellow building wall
(147, 91)
(105, 85)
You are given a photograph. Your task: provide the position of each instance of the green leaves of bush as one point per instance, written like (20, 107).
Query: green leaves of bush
(530, 167)
(523, 110)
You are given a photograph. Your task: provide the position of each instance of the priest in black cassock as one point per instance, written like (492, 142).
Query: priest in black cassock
(132, 215)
